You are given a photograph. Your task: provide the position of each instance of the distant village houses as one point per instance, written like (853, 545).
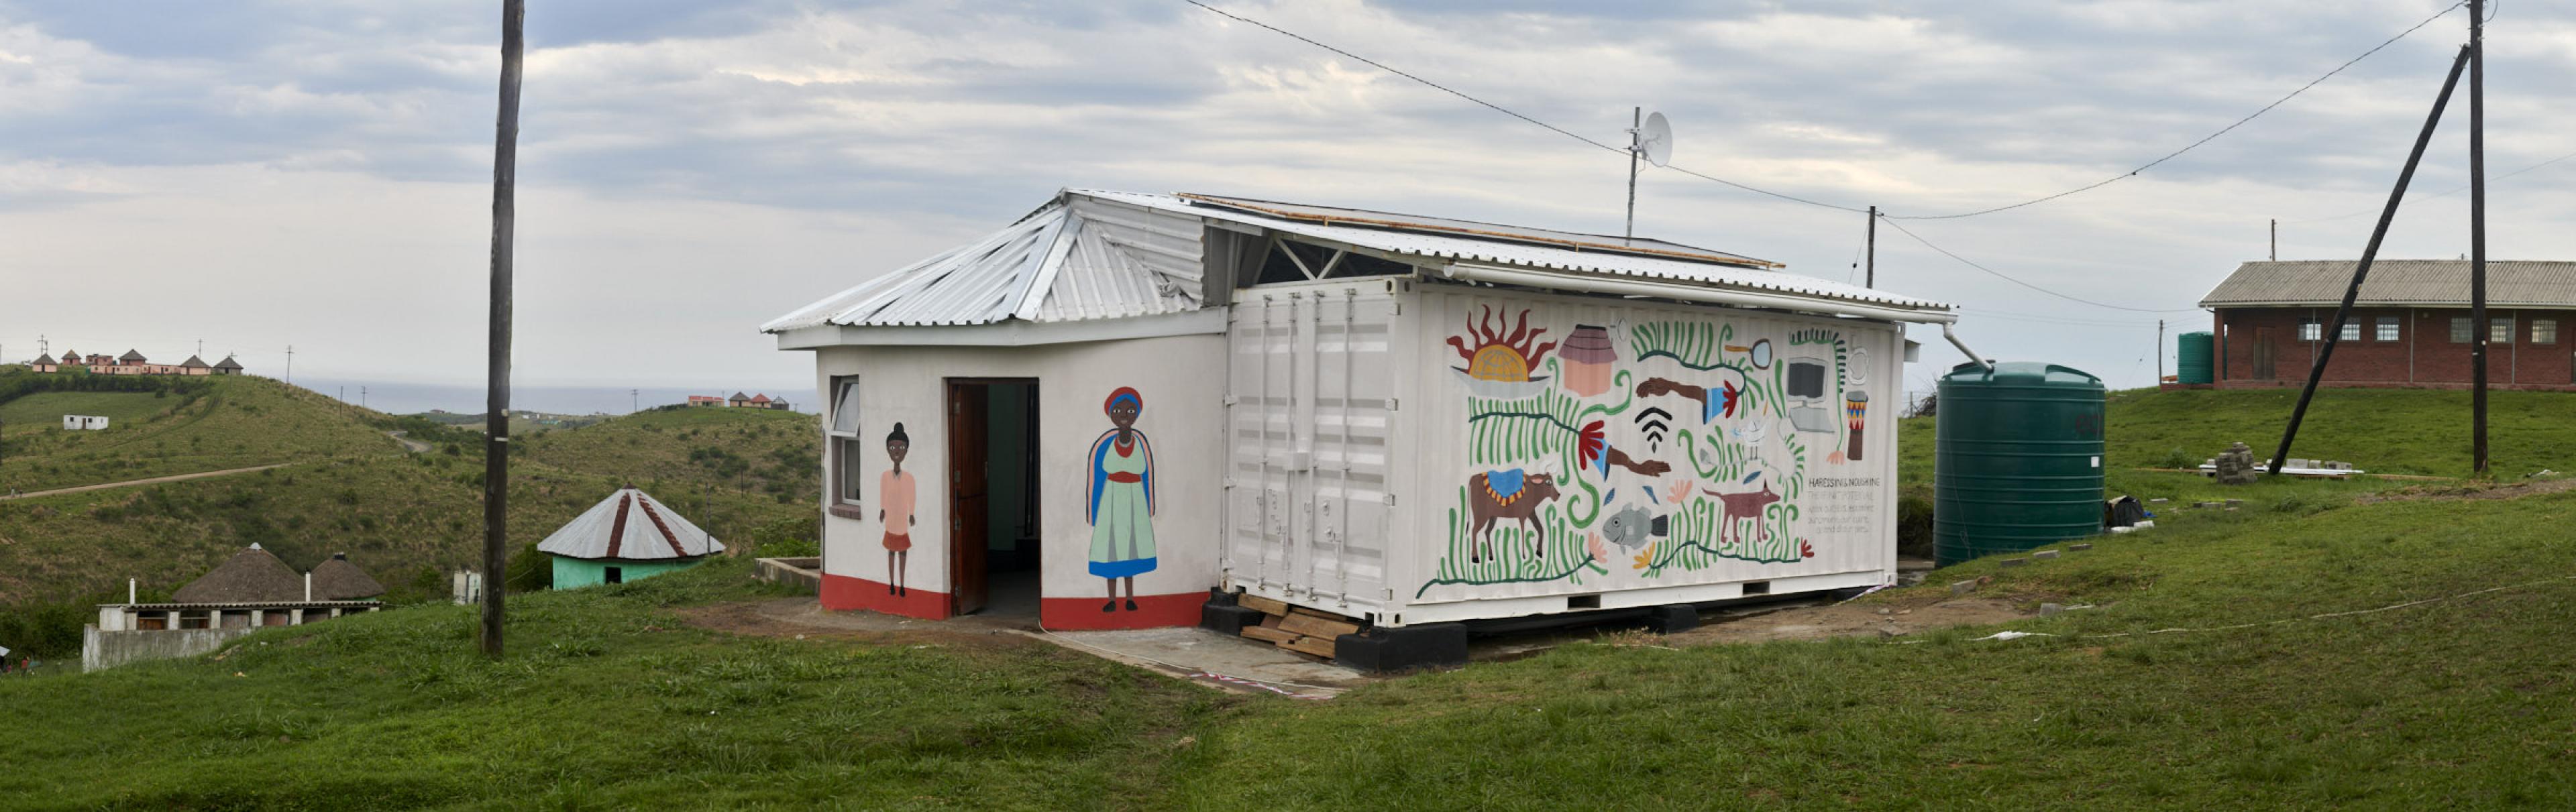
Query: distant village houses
(738, 401)
(131, 363)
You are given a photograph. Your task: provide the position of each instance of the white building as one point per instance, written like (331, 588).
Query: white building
(75, 422)
(1401, 420)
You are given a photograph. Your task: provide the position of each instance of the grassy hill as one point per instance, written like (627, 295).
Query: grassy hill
(179, 426)
(346, 487)
(2212, 672)
(747, 450)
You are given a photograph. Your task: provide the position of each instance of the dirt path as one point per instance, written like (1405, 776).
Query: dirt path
(409, 444)
(2473, 491)
(1852, 620)
(133, 482)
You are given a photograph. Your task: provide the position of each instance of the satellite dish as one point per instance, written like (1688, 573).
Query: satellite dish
(1654, 141)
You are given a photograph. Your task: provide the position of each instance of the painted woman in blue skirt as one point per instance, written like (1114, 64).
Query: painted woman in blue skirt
(1121, 507)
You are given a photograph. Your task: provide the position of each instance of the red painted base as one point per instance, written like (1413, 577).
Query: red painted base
(842, 592)
(1152, 611)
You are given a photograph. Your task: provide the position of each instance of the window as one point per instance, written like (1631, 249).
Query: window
(617, 575)
(2388, 329)
(2500, 331)
(2544, 331)
(2309, 329)
(2351, 331)
(2460, 330)
(848, 454)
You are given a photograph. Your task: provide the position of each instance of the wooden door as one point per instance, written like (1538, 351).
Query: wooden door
(968, 409)
(2263, 352)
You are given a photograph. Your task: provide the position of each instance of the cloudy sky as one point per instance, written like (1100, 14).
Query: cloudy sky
(315, 174)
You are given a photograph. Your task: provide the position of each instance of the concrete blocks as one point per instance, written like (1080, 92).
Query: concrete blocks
(2016, 562)
(2044, 554)
(1963, 587)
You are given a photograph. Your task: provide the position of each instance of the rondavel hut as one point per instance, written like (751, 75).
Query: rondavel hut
(628, 536)
(1395, 422)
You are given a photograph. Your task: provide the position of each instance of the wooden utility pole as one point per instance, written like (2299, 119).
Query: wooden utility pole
(2160, 353)
(496, 407)
(1636, 120)
(1869, 278)
(2369, 254)
(2478, 239)
(2276, 239)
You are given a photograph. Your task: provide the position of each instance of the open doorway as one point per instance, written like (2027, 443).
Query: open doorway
(993, 496)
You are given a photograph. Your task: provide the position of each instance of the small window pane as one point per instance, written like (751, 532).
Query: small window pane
(2460, 330)
(2388, 329)
(2544, 331)
(849, 463)
(2351, 331)
(2500, 331)
(845, 407)
(2309, 330)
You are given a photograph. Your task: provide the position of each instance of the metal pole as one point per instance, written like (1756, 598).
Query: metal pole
(2160, 353)
(2368, 254)
(1869, 279)
(496, 409)
(1636, 121)
(2276, 239)
(2478, 239)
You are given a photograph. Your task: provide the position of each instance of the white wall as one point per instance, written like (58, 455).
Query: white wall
(1182, 383)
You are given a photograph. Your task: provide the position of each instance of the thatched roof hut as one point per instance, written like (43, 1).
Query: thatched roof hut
(250, 576)
(339, 580)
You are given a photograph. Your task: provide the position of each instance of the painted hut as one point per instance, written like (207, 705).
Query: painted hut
(228, 366)
(44, 363)
(628, 536)
(1365, 415)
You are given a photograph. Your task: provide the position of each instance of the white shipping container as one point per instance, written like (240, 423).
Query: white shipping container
(1414, 452)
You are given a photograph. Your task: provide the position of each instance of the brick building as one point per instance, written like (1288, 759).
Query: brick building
(2410, 325)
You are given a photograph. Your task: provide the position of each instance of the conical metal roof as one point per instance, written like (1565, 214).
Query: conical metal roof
(631, 525)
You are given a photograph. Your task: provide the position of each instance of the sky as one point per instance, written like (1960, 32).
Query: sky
(260, 175)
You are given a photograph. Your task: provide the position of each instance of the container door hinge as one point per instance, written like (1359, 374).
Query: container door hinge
(1233, 399)
(1390, 500)
(1390, 404)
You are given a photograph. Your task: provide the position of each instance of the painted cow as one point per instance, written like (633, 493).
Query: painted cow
(1506, 495)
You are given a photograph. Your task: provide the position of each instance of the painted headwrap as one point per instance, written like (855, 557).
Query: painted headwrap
(1128, 394)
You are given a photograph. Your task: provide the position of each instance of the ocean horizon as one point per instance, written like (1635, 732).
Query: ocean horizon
(404, 397)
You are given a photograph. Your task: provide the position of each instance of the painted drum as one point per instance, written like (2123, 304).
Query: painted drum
(1589, 359)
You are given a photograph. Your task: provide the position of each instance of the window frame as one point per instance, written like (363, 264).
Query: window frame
(2536, 336)
(2463, 330)
(2311, 330)
(2351, 331)
(2500, 330)
(844, 452)
(2389, 328)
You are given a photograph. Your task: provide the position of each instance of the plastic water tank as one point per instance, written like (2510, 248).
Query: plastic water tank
(2017, 459)
(2194, 357)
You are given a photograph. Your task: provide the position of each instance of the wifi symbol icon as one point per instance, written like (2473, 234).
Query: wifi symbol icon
(1657, 424)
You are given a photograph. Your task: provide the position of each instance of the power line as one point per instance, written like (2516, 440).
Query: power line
(1818, 203)
(2008, 278)
(2204, 139)
(2463, 188)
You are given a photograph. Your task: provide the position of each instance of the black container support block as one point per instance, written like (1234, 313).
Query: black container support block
(1672, 618)
(1403, 648)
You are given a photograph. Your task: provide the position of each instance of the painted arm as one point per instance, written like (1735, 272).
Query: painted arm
(1650, 468)
(1660, 386)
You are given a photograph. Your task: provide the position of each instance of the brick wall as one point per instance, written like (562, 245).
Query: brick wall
(2421, 355)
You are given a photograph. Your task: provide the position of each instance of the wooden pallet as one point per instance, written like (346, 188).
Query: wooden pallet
(1296, 628)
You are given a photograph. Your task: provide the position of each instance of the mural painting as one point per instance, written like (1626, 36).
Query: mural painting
(1716, 432)
(1121, 503)
(896, 487)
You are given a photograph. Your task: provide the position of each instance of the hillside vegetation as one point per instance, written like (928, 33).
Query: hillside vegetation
(750, 451)
(187, 426)
(2211, 672)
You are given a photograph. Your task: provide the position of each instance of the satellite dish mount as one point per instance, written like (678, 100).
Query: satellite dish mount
(1649, 137)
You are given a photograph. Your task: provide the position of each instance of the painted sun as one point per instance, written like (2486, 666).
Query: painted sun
(1500, 362)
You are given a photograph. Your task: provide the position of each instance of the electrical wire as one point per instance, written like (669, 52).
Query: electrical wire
(2402, 204)
(1819, 203)
(2008, 278)
(2204, 139)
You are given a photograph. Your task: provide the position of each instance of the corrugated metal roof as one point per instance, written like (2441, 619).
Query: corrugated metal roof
(1329, 215)
(1092, 254)
(630, 525)
(2510, 283)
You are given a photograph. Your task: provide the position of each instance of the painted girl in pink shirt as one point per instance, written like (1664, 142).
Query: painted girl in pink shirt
(896, 487)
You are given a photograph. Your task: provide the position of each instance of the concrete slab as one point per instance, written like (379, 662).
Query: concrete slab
(1199, 654)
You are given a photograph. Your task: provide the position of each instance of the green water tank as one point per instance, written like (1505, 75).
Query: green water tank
(2017, 459)
(2194, 355)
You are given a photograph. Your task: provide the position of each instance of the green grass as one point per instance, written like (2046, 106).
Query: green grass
(237, 422)
(607, 700)
(43, 411)
(746, 450)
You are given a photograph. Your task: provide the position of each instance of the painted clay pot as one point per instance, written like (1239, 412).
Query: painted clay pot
(1589, 359)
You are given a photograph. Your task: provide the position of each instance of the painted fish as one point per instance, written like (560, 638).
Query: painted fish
(1631, 526)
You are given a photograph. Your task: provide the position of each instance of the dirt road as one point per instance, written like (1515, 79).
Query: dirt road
(133, 482)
